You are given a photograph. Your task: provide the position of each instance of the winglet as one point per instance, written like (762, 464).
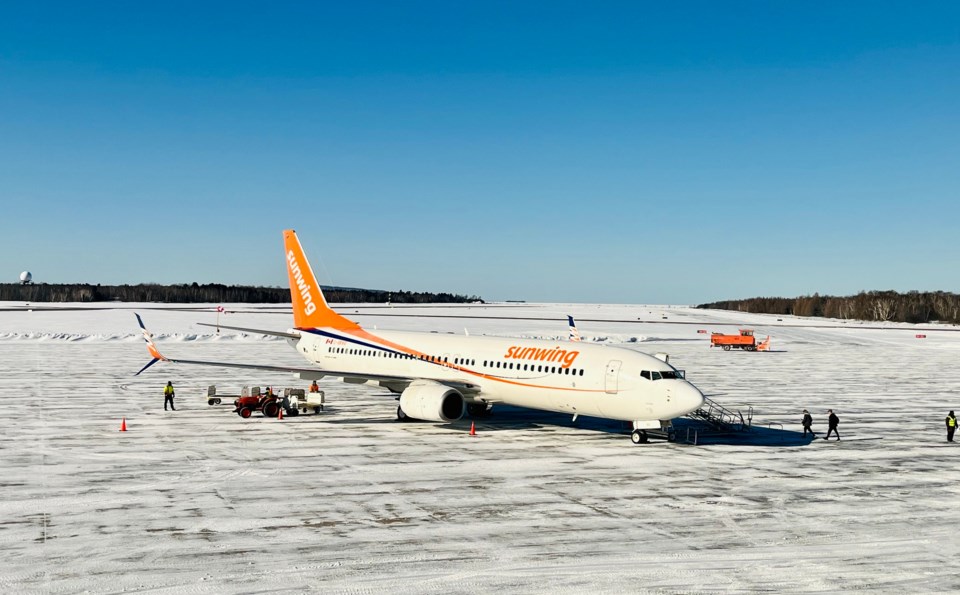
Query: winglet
(310, 309)
(574, 333)
(151, 346)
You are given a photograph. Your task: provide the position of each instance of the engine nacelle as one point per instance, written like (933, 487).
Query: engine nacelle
(431, 401)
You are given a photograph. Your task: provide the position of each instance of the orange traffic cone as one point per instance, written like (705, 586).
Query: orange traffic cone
(473, 429)
(280, 414)
(123, 425)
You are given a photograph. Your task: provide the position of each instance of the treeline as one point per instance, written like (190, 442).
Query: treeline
(210, 293)
(913, 306)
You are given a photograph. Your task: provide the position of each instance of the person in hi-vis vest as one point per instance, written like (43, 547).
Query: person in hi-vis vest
(168, 395)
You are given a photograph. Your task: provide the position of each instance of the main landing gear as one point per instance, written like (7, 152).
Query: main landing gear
(478, 409)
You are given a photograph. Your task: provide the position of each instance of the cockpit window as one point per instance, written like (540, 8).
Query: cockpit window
(662, 374)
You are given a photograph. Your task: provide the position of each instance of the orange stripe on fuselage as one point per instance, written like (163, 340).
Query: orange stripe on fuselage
(362, 334)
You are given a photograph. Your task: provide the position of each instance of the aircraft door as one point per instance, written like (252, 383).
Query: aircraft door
(613, 376)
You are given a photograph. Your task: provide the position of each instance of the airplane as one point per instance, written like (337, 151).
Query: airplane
(574, 333)
(440, 377)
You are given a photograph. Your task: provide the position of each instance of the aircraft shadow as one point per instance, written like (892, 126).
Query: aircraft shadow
(702, 434)
(506, 418)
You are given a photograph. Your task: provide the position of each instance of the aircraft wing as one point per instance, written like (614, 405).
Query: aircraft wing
(393, 382)
(258, 331)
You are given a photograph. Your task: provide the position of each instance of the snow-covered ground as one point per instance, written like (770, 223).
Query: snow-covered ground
(200, 501)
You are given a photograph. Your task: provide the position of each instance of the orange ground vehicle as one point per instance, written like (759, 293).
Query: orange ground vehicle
(745, 340)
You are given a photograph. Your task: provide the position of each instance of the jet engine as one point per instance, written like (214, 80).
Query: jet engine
(431, 401)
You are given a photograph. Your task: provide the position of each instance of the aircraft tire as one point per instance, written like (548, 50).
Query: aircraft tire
(638, 437)
(401, 416)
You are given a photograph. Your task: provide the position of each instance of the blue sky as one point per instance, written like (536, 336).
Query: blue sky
(547, 151)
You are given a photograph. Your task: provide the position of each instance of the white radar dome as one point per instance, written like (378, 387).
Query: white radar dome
(26, 277)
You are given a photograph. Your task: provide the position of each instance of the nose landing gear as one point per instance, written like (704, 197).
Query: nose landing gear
(644, 430)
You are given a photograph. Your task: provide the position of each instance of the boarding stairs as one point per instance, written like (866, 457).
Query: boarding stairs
(720, 418)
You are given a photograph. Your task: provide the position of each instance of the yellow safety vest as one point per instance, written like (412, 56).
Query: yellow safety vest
(167, 390)
(952, 421)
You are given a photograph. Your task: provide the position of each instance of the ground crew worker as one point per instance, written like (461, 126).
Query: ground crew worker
(269, 392)
(832, 423)
(807, 422)
(314, 387)
(168, 395)
(951, 426)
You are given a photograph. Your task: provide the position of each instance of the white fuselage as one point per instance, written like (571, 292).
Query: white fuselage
(561, 376)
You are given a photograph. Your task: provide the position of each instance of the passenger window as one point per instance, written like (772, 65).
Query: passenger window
(581, 371)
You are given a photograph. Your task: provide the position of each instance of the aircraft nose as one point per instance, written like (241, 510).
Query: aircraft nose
(689, 398)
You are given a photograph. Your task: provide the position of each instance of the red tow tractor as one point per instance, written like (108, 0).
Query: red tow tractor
(294, 401)
(251, 399)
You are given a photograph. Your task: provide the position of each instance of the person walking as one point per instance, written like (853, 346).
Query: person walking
(168, 395)
(832, 422)
(807, 423)
(951, 426)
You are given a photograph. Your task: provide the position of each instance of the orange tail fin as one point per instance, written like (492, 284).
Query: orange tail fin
(310, 309)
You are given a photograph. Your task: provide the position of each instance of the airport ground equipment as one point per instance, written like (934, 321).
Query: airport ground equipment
(251, 399)
(721, 418)
(293, 401)
(297, 400)
(745, 340)
(715, 419)
(215, 398)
